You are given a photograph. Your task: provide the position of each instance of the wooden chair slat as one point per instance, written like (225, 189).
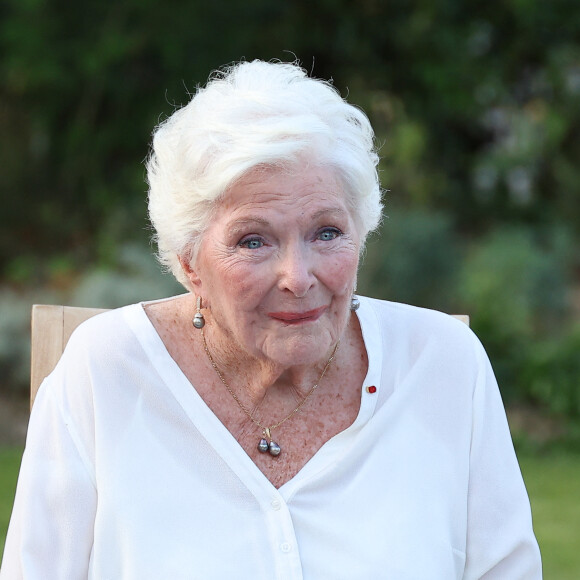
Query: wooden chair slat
(52, 326)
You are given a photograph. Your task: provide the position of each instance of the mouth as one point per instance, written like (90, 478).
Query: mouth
(298, 317)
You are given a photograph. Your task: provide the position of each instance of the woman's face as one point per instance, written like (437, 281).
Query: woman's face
(277, 265)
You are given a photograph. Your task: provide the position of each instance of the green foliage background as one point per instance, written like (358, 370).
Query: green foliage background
(476, 105)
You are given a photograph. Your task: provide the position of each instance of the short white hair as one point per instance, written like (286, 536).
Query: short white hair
(249, 115)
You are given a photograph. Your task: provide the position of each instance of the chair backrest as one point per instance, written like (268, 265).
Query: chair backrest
(51, 329)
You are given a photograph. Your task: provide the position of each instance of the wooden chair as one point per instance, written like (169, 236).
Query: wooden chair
(51, 329)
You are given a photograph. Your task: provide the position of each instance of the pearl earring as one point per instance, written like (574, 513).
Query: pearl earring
(198, 319)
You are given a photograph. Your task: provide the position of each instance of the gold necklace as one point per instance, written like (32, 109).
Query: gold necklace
(267, 444)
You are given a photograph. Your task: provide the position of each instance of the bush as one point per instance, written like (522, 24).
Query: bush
(415, 260)
(14, 340)
(514, 284)
(552, 375)
(132, 277)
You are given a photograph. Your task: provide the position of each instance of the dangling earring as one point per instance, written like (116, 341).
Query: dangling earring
(354, 302)
(198, 319)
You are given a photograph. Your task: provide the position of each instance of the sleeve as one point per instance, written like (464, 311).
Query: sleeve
(51, 528)
(500, 539)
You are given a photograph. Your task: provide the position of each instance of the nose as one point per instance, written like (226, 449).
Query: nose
(296, 271)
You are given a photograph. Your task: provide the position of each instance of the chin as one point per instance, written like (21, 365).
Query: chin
(300, 350)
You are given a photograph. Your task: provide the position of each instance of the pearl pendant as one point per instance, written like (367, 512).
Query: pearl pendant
(274, 449)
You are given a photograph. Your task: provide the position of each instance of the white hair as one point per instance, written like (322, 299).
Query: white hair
(249, 115)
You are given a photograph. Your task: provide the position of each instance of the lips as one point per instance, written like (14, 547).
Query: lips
(298, 317)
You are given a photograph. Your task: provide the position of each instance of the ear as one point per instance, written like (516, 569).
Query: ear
(189, 271)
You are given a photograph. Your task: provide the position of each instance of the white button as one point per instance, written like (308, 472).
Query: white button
(276, 504)
(285, 547)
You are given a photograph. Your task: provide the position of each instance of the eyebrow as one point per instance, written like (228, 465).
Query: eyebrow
(240, 224)
(338, 211)
(243, 222)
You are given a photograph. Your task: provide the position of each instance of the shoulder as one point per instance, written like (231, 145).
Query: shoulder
(109, 329)
(98, 354)
(105, 343)
(411, 332)
(414, 319)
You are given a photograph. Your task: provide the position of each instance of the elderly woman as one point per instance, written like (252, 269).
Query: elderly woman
(269, 424)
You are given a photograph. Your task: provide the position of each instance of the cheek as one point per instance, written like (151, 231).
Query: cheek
(241, 286)
(340, 272)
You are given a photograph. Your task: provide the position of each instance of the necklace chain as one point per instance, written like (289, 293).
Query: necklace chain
(246, 410)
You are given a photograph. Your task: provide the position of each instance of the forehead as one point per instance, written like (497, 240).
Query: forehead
(315, 188)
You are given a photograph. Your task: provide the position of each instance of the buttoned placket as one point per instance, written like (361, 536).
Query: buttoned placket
(282, 538)
(279, 534)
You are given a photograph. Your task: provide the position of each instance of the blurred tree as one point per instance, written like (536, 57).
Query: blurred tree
(416, 260)
(477, 102)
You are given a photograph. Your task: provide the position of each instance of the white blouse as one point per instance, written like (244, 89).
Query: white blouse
(127, 474)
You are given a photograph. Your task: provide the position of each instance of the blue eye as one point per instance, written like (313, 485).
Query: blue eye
(251, 243)
(328, 234)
